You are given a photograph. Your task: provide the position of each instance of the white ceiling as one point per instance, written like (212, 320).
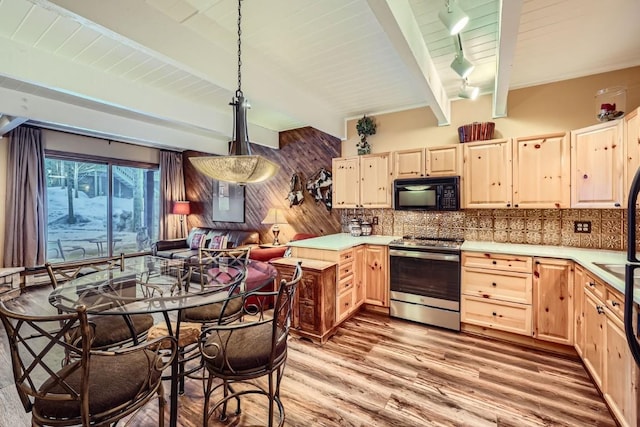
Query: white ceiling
(164, 71)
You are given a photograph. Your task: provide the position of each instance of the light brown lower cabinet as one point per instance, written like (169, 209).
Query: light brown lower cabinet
(594, 324)
(496, 292)
(605, 351)
(553, 300)
(620, 388)
(578, 309)
(376, 275)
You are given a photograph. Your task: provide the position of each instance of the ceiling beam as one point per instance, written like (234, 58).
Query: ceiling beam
(509, 22)
(9, 123)
(399, 23)
(147, 29)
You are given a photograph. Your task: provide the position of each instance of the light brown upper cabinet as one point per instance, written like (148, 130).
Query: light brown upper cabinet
(346, 182)
(430, 161)
(443, 160)
(597, 166)
(541, 167)
(375, 180)
(487, 174)
(632, 145)
(409, 163)
(362, 181)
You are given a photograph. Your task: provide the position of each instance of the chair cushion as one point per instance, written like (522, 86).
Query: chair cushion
(110, 329)
(113, 380)
(211, 312)
(246, 349)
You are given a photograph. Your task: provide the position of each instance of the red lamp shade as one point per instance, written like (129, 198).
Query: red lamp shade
(181, 208)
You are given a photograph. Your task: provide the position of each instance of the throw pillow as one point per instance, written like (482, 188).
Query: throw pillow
(218, 242)
(197, 241)
(192, 233)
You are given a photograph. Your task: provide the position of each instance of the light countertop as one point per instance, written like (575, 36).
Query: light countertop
(341, 241)
(587, 258)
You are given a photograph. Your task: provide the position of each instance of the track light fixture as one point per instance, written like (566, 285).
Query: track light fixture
(453, 17)
(468, 92)
(460, 64)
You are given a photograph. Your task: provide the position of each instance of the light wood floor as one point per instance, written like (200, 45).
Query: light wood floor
(378, 371)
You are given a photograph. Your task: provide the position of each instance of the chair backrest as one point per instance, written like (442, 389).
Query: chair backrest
(39, 346)
(60, 273)
(53, 376)
(283, 309)
(219, 267)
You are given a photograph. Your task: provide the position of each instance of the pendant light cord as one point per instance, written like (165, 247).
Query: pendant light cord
(239, 91)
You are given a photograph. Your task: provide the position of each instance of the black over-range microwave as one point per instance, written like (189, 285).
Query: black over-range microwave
(427, 194)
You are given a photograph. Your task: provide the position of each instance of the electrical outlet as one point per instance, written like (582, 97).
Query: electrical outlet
(374, 221)
(582, 226)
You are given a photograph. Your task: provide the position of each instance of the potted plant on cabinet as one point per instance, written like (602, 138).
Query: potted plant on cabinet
(366, 126)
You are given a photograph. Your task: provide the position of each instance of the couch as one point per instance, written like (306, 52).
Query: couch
(204, 237)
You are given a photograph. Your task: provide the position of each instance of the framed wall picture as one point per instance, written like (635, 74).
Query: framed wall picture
(228, 202)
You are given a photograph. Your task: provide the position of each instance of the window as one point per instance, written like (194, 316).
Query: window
(98, 208)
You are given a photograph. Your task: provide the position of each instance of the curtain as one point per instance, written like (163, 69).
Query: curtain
(172, 189)
(25, 221)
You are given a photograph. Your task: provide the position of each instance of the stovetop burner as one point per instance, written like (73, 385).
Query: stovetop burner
(427, 242)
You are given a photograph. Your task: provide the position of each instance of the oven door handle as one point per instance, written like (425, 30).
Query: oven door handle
(424, 255)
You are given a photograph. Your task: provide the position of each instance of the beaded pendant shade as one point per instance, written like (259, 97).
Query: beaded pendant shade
(240, 166)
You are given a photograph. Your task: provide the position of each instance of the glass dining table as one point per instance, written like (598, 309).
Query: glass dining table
(155, 285)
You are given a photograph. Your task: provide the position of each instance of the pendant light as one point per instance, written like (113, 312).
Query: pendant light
(240, 166)
(453, 17)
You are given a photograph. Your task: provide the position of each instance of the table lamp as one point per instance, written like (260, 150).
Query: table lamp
(275, 216)
(181, 208)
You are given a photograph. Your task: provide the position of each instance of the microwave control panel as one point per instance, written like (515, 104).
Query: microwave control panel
(449, 197)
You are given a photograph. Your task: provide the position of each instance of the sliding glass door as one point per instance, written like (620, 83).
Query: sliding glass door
(98, 208)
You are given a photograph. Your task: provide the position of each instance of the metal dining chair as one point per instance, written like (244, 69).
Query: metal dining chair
(111, 331)
(242, 352)
(96, 387)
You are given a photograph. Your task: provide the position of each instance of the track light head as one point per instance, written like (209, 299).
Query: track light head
(468, 92)
(461, 66)
(453, 17)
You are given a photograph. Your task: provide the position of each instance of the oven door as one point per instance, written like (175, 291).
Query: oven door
(428, 274)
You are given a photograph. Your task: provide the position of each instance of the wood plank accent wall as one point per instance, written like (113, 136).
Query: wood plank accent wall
(303, 151)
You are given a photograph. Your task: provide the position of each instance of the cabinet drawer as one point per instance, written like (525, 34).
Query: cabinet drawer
(514, 287)
(521, 264)
(502, 315)
(345, 284)
(345, 269)
(345, 303)
(345, 256)
(615, 302)
(595, 286)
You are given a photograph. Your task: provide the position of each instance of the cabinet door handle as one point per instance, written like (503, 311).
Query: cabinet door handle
(494, 284)
(615, 303)
(600, 309)
(591, 284)
(494, 313)
(494, 262)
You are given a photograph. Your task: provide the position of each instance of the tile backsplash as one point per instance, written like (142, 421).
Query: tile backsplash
(531, 226)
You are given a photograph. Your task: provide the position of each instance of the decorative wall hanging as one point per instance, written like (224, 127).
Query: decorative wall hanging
(365, 127)
(228, 202)
(319, 185)
(295, 195)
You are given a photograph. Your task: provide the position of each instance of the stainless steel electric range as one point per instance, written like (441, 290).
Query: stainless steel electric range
(425, 280)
